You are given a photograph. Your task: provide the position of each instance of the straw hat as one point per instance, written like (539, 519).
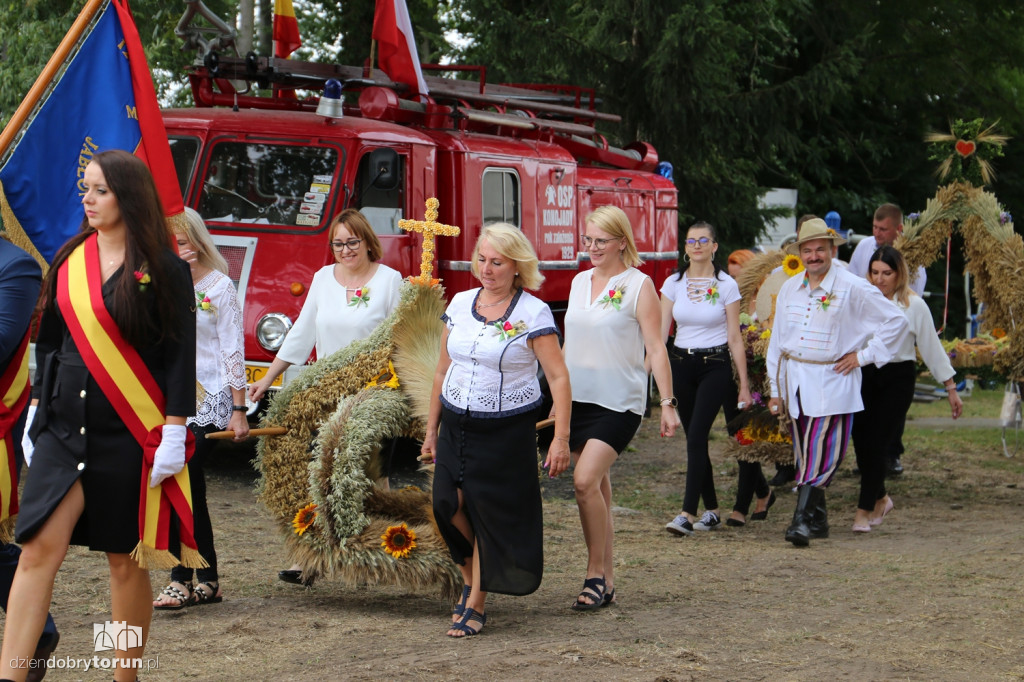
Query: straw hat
(815, 228)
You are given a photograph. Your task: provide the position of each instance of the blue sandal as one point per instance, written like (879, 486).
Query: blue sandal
(460, 606)
(462, 626)
(593, 589)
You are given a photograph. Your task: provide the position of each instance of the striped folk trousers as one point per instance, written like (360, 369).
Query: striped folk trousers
(819, 444)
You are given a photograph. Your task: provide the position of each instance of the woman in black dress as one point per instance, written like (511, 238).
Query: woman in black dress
(481, 428)
(83, 486)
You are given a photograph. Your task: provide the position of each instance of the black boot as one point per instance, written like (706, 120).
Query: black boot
(784, 473)
(818, 515)
(799, 532)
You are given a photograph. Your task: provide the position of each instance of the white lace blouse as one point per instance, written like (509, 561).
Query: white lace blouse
(220, 352)
(493, 372)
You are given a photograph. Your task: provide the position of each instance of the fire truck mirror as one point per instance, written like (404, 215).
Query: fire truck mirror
(383, 169)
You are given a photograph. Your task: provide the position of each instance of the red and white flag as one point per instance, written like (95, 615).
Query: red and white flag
(396, 48)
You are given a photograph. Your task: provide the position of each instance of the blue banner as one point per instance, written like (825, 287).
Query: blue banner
(91, 109)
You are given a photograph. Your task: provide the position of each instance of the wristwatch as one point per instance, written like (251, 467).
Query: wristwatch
(671, 402)
(239, 408)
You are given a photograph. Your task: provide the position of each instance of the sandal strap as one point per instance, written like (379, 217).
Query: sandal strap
(174, 593)
(470, 615)
(460, 606)
(206, 590)
(593, 589)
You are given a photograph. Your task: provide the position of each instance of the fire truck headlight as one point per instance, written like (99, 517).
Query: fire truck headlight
(272, 329)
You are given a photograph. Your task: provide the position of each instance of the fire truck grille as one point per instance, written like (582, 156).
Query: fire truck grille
(235, 256)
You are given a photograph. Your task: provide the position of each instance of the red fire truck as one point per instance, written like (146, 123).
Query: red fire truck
(269, 173)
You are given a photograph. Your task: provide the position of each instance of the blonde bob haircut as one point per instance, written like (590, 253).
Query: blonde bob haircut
(360, 228)
(196, 232)
(510, 242)
(613, 220)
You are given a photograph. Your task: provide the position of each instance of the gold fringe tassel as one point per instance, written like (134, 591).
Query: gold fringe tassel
(150, 558)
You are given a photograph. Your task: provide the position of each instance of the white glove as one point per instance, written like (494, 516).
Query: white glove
(28, 448)
(169, 457)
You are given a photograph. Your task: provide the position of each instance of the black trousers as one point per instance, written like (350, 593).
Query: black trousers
(887, 393)
(203, 527)
(702, 384)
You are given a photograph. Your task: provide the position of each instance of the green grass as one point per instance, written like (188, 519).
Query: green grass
(980, 403)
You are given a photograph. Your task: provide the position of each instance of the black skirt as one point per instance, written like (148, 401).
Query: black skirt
(608, 426)
(494, 463)
(85, 439)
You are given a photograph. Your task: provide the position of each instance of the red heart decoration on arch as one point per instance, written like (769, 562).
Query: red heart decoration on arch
(965, 148)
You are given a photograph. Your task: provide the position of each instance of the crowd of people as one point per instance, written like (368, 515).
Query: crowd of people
(140, 356)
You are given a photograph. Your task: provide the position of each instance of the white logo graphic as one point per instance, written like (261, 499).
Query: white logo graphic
(117, 635)
(550, 194)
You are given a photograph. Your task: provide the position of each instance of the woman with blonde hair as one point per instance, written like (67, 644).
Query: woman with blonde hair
(220, 399)
(888, 391)
(481, 427)
(612, 323)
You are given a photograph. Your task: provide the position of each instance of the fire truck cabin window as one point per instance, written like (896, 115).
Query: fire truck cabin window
(380, 189)
(501, 196)
(272, 184)
(184, 151)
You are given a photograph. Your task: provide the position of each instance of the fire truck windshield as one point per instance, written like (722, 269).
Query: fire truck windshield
(265, 183)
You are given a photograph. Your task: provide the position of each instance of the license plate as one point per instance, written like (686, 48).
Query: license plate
(254, 373)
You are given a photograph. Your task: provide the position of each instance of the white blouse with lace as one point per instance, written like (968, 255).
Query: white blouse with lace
(220, 350)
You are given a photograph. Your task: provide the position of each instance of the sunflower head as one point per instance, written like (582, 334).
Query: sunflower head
(398, 541)
(792, 265)
(304, 518)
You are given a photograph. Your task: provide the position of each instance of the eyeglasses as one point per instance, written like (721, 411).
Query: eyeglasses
(703, 241)
(599, 243)
(350, 244)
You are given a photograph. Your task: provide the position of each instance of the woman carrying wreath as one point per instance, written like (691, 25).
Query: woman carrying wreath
(220, 403)
(481, 427)
(116, 357)
(612, 322)
(346, 302)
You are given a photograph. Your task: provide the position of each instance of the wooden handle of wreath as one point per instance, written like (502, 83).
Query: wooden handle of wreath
(267, 431)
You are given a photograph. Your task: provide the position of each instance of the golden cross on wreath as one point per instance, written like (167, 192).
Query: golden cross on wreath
(428, 227)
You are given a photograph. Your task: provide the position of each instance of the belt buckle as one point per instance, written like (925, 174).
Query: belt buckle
(689, 351)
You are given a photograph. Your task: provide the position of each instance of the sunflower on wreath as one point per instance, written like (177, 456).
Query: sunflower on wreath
(398, 541)
(792, 265)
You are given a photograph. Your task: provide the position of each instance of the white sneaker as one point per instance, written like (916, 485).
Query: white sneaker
(709, 521)
(680, 525)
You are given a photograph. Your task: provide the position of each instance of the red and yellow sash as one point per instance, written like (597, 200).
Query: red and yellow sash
(127, 383)
(14, 393)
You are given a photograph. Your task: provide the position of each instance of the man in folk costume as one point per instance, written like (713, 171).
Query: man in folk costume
(828, 323)
(20, 279)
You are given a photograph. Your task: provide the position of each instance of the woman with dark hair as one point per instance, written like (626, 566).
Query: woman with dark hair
(116, 358)
(704, 303)
(220, 404)
(888, 391)
(346, 302)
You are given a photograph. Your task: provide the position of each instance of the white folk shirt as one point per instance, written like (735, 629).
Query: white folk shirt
(220, 355)
(493, 373)
(604, 347)
(700, 317)
(922, 334)
(861, 258)
(857, 314)
(329, 323)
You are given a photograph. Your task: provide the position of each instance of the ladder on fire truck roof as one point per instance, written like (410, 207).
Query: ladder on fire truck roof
(565, 115)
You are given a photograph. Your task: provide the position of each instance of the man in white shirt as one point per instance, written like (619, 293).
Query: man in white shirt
(822, 317)
(885, 228)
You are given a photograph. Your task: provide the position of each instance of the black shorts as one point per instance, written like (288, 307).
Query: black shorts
(608, 426)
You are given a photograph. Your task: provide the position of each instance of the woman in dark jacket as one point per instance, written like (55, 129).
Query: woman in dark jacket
(118, 315)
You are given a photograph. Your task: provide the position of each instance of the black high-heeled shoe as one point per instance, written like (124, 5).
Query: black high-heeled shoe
(763, 515)
(294, 576)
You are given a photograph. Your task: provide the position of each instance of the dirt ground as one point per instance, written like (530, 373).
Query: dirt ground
(934, 593)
